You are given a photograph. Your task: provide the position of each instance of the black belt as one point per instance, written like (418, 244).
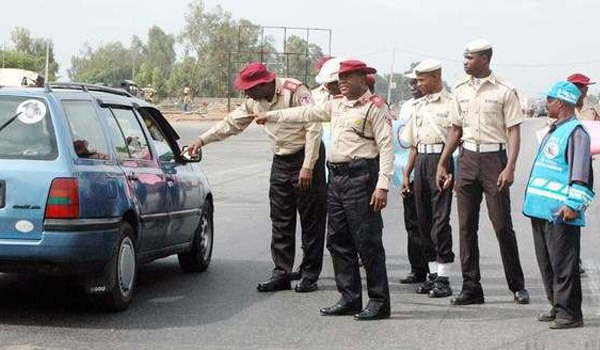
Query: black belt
(293, 156)
(354, 166)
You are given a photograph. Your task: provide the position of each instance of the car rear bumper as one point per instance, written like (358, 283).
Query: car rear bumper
(67, 247)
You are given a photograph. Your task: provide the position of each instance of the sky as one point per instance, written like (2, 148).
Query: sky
(535, 42)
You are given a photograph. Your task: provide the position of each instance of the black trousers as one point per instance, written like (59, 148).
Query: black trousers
(478, 174)
(433, 210)
(557, 249)
(287, 201)
(355, 229)
(416, 257)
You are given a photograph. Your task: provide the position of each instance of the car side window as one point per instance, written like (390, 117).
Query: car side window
(86, 130)
(131, 131)
(116, 135)
(163, 149)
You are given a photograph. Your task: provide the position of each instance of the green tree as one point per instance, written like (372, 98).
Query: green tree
(299, 57)
(30, 53)
(160, 50)
(109, 63)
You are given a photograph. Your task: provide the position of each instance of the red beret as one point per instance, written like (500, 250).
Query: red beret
(355, 66)
(253, 74)
(579, 78)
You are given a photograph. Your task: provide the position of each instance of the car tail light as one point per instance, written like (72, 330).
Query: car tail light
(63, 199)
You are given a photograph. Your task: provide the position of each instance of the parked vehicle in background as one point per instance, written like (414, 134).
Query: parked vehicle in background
(20, 77)
(93, 184)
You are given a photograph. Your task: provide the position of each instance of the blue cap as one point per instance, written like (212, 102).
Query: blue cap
(563, 90)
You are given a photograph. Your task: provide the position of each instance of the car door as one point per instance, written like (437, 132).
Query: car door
(184, 187)
(144, 174)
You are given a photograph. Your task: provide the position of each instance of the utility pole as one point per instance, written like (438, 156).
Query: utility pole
(47, 60)
(391, 80)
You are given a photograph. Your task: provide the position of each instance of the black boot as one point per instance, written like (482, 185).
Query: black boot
(441, 288)
(427, 285)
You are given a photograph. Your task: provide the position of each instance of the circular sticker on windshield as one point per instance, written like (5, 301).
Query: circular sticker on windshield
(31, 111)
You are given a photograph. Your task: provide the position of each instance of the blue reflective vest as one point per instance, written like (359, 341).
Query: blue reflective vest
(548, 188)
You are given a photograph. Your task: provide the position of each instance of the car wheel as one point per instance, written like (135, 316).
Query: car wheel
(124, 272)
(198, 258)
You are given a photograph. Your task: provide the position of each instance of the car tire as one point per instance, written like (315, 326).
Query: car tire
(124, 272)
(198, 258)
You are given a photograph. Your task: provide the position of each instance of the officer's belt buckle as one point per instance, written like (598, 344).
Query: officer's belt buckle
(484, 147)
(435, 148)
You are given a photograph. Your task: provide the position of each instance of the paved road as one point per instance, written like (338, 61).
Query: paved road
(220, 309)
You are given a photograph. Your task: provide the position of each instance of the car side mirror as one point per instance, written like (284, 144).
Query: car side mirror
(185, 154)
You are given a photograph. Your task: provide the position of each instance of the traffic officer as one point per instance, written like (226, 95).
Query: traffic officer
(427, 133)
(360, 161)
(584, 109)
(328, 81)
(559, 190)
(297, 183)
(416, 257)
(485, 116)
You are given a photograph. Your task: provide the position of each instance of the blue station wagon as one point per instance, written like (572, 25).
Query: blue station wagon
(92, 184)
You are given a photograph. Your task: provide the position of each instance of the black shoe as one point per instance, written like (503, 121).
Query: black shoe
(547, 316)
(441, 288)
(296, 275)
(561, 323)
(306, 285)
(341, 308)
(428, 285)
(373, 312)
(414, 278)
(273, 285)
(468, 297)
(522, 297)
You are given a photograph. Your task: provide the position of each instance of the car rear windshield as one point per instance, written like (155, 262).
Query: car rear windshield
(26, 130)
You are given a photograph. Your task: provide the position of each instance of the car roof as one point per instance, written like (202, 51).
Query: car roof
(60, 89)
(103, 94)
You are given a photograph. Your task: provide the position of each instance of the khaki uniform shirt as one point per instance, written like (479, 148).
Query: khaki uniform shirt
(286, 138)
(486, 113)
(320, 95)
(429, 110)
(587, 111)
(347, 118)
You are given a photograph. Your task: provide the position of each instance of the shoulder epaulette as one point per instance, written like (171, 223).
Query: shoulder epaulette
(501, 81)
(291, 84)
(377, 101)
(462, 81)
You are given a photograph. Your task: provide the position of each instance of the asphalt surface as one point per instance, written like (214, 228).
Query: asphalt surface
(220, 309)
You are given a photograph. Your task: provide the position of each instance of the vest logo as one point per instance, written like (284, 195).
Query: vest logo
(551, 150)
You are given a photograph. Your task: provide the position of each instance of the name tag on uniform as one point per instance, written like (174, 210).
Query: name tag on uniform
(492, 101)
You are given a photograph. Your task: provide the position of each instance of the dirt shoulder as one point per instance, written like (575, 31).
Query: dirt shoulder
(192, 116)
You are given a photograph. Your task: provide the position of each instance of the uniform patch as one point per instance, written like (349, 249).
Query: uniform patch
(551, 150)
(290, 85)
(305, 100)
(378, 101)
(388, 119)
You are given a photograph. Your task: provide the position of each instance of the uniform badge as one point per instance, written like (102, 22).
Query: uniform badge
(305, 100)
(551, 150)
(388, 119)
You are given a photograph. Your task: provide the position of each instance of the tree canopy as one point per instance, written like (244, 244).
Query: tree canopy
(213, 47)
(29, 53)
